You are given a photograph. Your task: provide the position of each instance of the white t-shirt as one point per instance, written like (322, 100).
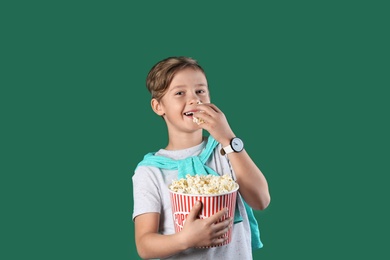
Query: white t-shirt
(150, 187)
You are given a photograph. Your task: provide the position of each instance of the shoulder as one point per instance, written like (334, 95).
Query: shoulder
(146, 170)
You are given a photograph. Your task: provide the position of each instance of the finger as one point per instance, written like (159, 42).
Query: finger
(218, 241)
(218, 216)
(204, 115)
(215, 108)
(194, 213)
(222, 232)
(222, 225)
(209, 107)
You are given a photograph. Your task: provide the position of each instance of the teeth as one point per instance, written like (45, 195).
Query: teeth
(188, 113)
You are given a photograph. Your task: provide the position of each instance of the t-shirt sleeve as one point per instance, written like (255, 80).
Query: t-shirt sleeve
(146, 191)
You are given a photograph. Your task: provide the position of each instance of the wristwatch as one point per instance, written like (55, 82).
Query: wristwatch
(236, 145)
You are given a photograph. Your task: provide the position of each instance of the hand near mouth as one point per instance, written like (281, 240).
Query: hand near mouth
(211, 118)
(196, 119)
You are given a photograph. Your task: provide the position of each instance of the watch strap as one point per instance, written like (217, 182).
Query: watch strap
(227, 149)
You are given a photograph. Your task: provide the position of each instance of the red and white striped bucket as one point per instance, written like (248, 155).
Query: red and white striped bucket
(211, 204)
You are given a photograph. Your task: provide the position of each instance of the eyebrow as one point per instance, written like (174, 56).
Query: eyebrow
(182, 86)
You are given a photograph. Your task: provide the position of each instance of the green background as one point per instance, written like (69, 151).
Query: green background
(304, 83)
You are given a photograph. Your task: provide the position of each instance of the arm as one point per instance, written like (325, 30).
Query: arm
(253, 184)
(150, 244)
(196, 233)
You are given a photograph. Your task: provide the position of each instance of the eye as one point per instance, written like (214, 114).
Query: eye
(201, 91)
(179, 93)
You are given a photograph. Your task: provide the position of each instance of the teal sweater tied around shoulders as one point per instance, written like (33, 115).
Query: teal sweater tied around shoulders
(195, 165)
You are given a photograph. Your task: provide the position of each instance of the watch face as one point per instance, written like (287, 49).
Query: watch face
(237, 144)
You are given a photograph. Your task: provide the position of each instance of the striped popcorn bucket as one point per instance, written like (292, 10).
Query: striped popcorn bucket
(182, 204)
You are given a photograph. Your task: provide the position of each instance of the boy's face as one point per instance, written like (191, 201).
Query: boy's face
(187, 89)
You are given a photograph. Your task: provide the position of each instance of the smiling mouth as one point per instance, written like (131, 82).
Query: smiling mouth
(189, 113)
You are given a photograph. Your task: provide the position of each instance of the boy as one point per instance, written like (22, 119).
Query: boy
(180, 93)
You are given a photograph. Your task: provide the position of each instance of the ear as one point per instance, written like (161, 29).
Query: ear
(157, 107)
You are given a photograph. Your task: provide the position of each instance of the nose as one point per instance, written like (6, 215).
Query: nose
(194, 99)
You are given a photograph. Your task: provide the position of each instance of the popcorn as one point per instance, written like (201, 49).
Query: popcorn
(204, 184)
(198, 120)
(214, 192)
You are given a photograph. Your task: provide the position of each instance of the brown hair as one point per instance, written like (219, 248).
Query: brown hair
(160, 76)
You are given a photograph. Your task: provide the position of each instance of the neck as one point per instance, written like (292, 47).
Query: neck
(184, 140)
